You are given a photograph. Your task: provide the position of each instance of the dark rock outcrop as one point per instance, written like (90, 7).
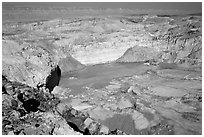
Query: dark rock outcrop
(53, 79)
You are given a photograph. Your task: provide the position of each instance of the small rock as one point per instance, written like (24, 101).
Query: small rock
(8, 126)
(6, 100)
(87, 122)
(22, 112)
(14, 103)
(82, 107)
(61, 92)
(57, 90)
(61, 107)
(73, 112)
(10, 133)
(134, 90)
(116, 132)
(21, 133)
(64, 129)
(15, 114)
(104, 129)
(5, 122)
(93, 128)
(130, 90)
(9, 89)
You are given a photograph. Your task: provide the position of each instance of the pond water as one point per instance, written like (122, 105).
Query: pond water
(99, 76)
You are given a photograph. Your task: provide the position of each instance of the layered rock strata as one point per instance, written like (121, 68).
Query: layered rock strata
(168, 39)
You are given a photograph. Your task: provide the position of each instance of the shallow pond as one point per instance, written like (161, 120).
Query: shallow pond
(99, 76)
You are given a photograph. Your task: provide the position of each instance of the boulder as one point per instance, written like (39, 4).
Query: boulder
(53, 79)
(94, 128)
(61, 92)
(11, 133)
(104, 130)
(87, 122)
(61, 107)
(134, 89)
(63, 128)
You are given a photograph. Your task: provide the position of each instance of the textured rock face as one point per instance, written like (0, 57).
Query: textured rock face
(19, 63)
(53, 79)
(169, 39)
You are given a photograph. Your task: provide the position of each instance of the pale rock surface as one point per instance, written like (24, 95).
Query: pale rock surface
(124, 103)
(61, 92)
(100, 113)
(168, 91)
(87, 122)
(140, 121)
(11, 133)
(104, 129)
(61, 126)
(134, 89)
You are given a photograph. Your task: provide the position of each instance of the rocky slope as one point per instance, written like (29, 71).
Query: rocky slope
(36, 111)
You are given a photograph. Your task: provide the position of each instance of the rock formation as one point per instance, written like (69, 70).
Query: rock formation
(53, 79)
(170, 39)
(165, 99)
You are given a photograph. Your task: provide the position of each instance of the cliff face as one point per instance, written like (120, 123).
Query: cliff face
(172, 39)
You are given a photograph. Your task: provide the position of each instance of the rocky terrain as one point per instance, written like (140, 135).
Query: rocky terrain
(164, 96)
